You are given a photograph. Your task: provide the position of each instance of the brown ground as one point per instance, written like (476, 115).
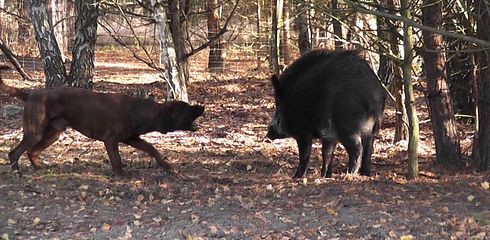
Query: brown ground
(238, 183)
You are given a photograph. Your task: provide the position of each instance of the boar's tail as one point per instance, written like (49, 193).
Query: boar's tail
(12, 91)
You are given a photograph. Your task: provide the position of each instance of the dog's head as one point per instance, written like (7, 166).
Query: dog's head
(177, 115)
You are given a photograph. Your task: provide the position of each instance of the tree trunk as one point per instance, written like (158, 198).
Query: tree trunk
(401, 123)
(83, 53)
(70, 24)
(481, 149)
(58, 15)
(54, 70)
(216, 61)
(275, 36)
(23, 23)
(286, 29)
(172, 73)
(178, 36)
(438, 96)
(259, 33)
(384, 73)
(303, 25)
(337, 28)
(413, 125)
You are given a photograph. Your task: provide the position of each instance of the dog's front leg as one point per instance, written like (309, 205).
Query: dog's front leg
(112, 148)
(145, 146)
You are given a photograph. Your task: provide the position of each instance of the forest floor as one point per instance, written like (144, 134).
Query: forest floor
(238, 184)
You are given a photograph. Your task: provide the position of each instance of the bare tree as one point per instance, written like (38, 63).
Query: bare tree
(171, 71)
(276, 10)
(216, 60)
(23, 22)
(286, 34)
(438, 96)
(303, 25)
(481, 145)
(83, 52)
(413, 125)
(54, 70)
(337, 28)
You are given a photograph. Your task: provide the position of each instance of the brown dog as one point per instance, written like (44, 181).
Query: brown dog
(108, 117)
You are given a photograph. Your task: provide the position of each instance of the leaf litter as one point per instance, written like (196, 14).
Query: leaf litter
(237, 183)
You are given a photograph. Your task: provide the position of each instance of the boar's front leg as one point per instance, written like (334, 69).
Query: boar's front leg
(304, 146)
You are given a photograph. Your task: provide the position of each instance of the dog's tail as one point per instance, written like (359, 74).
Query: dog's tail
(12, 91)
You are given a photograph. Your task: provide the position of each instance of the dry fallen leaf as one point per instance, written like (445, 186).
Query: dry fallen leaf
(485, 185)
(11, 221)
(406, 237)
(213, 229)
(140, 198)
(249, 167)
(106, 227)
(194, 218)
(157, 219)
(332, 212)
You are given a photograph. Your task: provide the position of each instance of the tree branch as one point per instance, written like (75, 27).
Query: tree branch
(223, 30)
(13, 59)
(414, 24)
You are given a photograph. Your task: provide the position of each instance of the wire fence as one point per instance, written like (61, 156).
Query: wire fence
(244, 47)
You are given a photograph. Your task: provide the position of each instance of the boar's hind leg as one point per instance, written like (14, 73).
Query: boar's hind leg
(328, 147)
(367, 144)
(304, 145)
(352, 144)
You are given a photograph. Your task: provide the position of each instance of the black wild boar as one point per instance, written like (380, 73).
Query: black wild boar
(333, 96)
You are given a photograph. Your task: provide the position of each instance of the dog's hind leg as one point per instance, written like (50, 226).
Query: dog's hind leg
(49, 137)
(144, 146)
(113, 152)
(28, 141)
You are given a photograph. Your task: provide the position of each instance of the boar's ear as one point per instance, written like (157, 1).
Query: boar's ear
(198, 110)
(276, 85)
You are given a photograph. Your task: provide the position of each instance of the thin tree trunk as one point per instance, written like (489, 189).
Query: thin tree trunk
(83, 54)
(58, 13)
(401, 123)
(70, 24)
(413, 125)
(439, 99)
(304, 37)
(23, 23)
(259, 32)
(178, 38)
(286, 29)
(216, 60)
(54, 70)
(172, 72)
(384, 36)
(481, 153)
(337, 28)
(275, 36)
(2, 18)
